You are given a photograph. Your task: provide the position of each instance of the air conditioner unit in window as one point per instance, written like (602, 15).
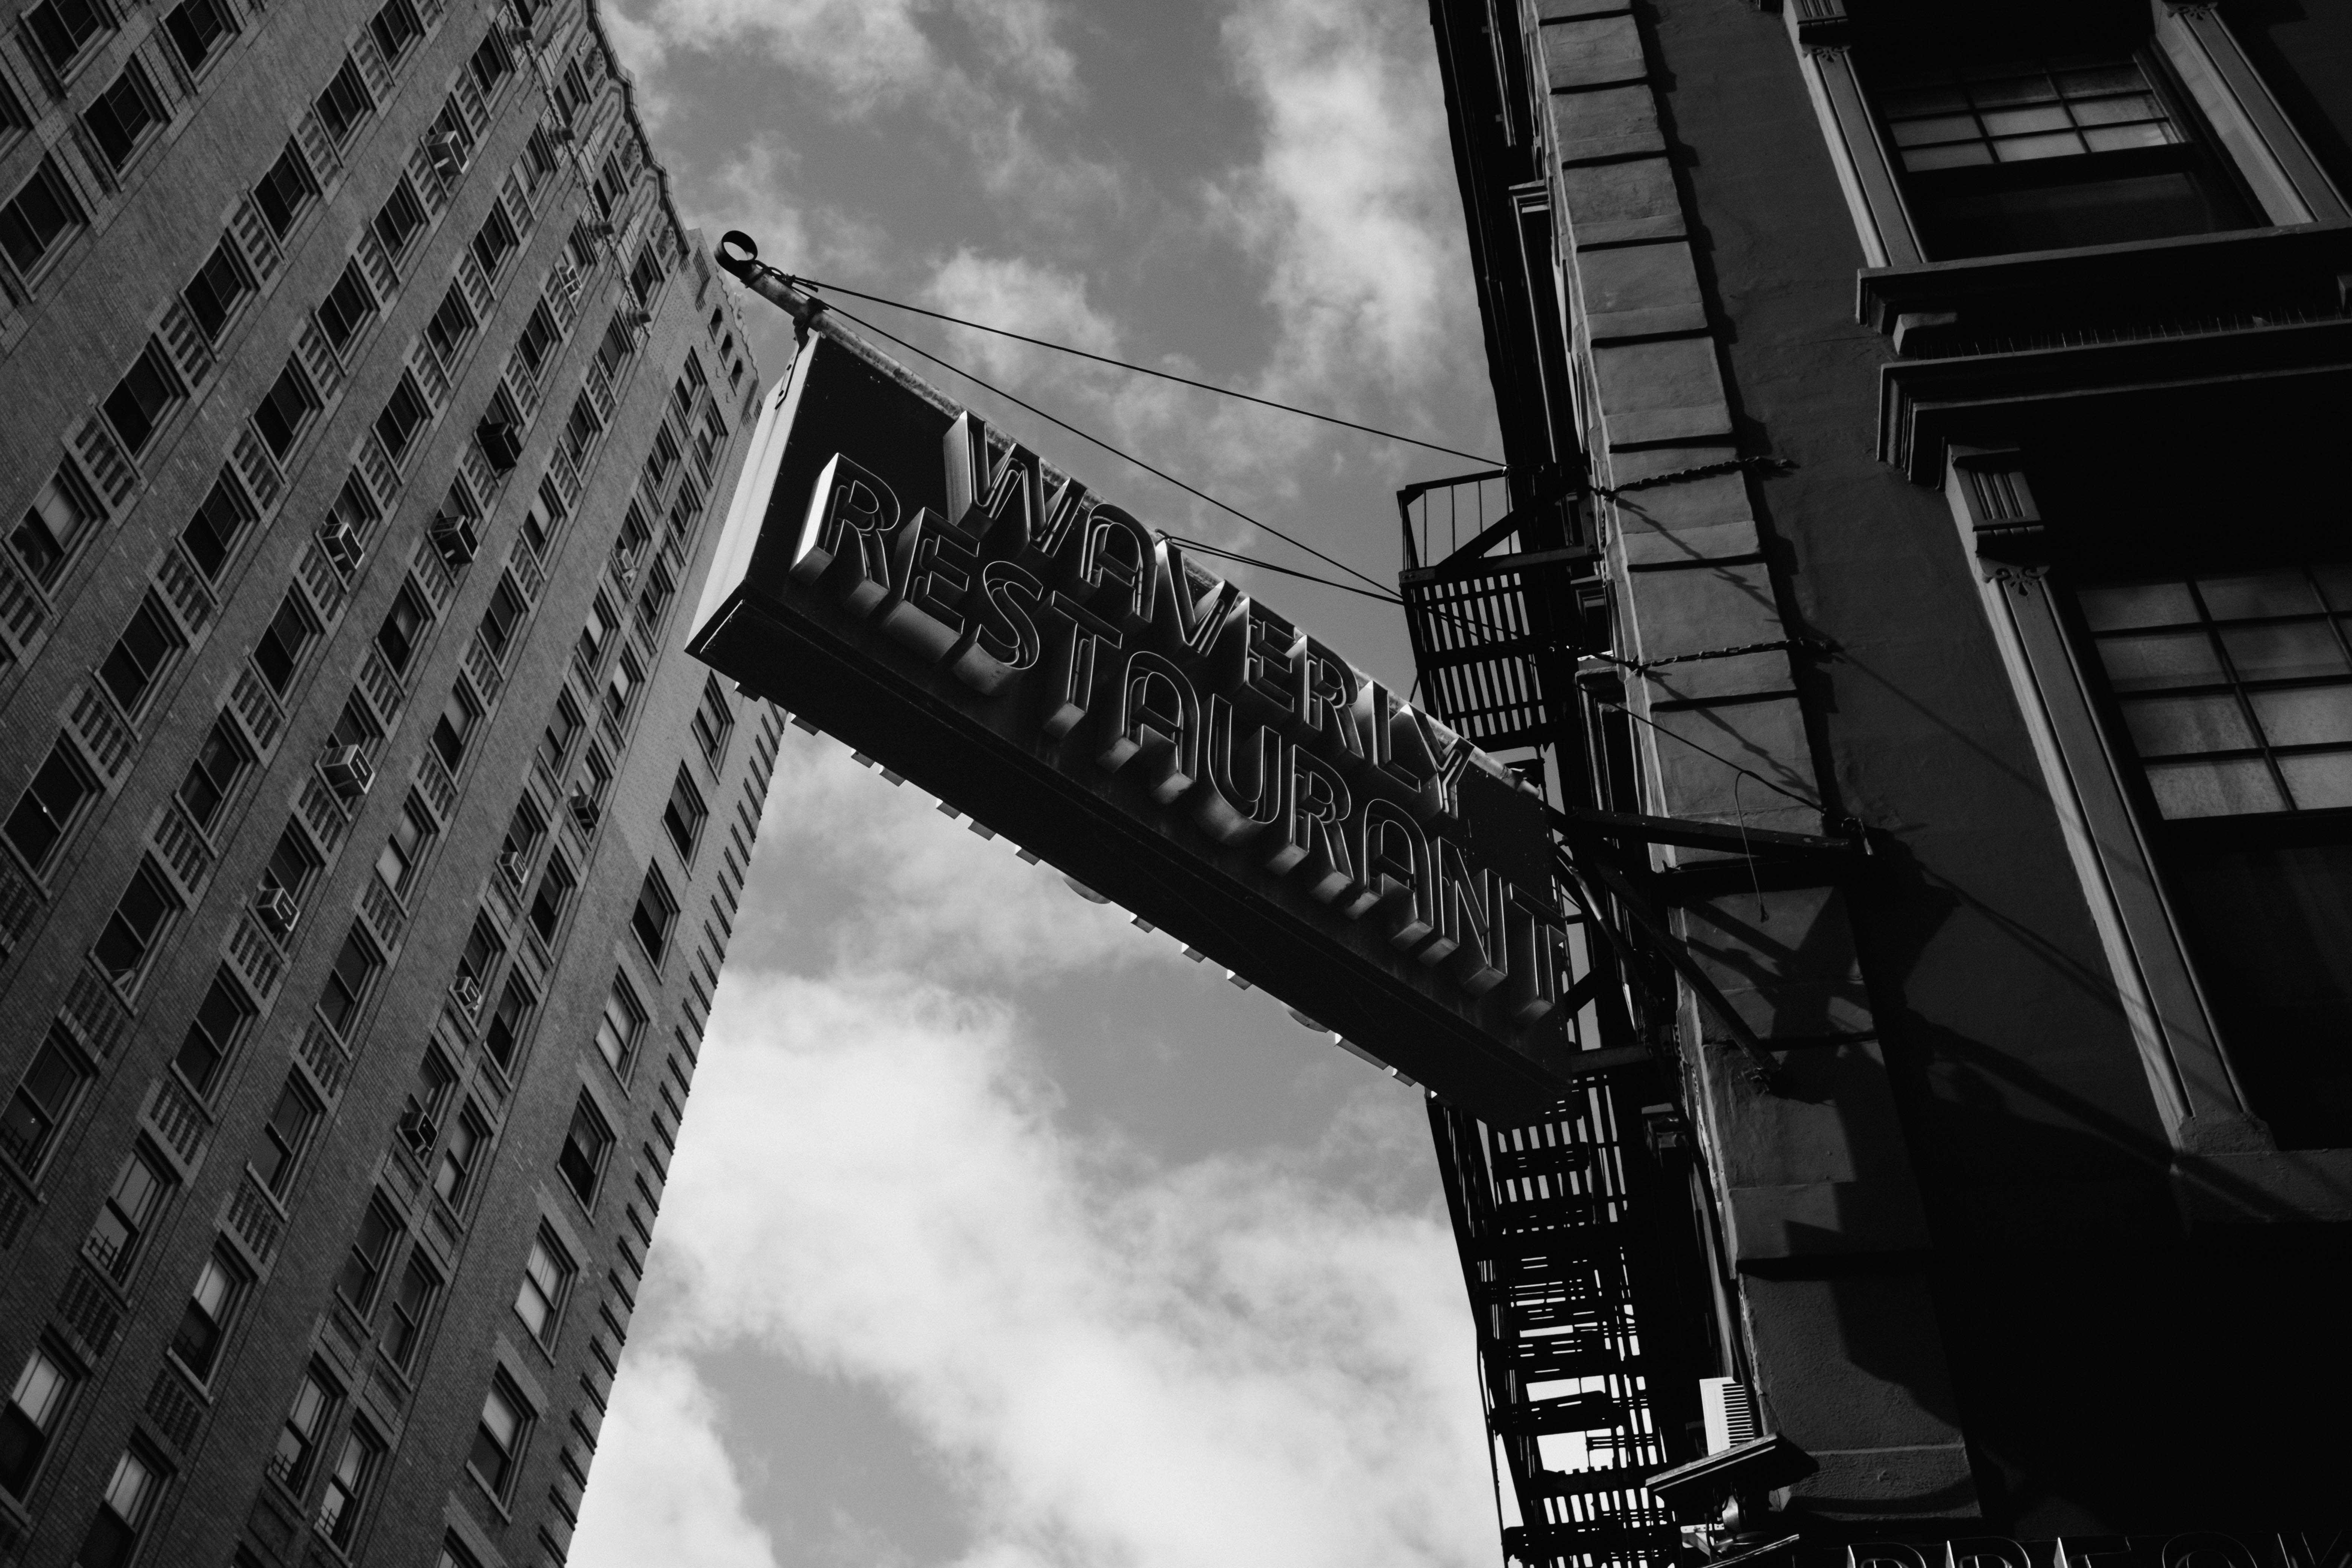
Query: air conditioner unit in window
(458, 539)
(511, 866)
(417, 1129)
(448, 157)
(340, 542)
(347, 771)
(1729, 1412)
(502, 443)
(467, 991)
(276, 908)
(625, 562)
(585, 809)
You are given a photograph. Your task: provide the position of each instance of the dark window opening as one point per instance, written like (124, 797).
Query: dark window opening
(130, 934)
(204, 1323)
(285, 408)
(146, 646)
(508, 1021)
(211, 295)
(454, 730)
(196, 27)
(451, 325)
(277, 652)
(52, 526)
(403, 630)
(399, 219)
(298, 1439)
(138, 402)
(282, 1137)
(45, 811)
(347, 982)
(364, 1265)
(494, 241)
(395, 28)
(346, 307)
(44, 1098)
(63, 27)
(683, 816)
(404, 413)
(285, 189)
(128, 1214)
(211, 1034)
(34, 216)
(213, 533)
(547, 905)
(120, 116)
(654, 914)
(585, 1144)
(213, 775)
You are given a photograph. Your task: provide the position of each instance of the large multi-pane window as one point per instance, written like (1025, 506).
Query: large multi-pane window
(35, 218)
(63, 28)
(2231, 693)
(120, 118)
(2040, 152)
(197, 27)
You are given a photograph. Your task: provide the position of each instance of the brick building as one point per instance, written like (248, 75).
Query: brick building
(369, 846)
(1918, 417)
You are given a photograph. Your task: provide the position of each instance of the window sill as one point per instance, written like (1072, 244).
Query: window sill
(497, 1504)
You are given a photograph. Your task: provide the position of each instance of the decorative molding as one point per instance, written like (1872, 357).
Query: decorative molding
(1819, 24)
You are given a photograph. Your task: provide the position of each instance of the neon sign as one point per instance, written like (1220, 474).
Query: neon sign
(1039, 658)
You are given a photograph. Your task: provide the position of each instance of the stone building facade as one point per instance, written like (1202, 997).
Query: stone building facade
(370, 847)
(1931, 405)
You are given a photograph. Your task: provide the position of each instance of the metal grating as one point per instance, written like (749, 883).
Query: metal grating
(1550, 1229)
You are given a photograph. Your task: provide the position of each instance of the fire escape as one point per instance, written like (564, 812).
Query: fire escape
(1586, 1235)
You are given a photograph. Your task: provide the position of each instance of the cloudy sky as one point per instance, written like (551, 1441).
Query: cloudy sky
(1002, 1234)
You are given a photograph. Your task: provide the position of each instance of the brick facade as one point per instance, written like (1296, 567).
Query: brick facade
(409, 269)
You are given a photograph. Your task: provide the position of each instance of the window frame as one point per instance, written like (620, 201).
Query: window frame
(552, 1299)
(590, 1168)
(219, 1318)
(621, 1027)
(653, 919)
(511, 1451)
(130, 82)
(66, 758)
(355, 940)
(59, 1044)
(64, 1379)
(287, 1151)
(149, 612)
(71, 216)
(70, 490)
(213, 47)
(116, 1259)
(295, 1475)
(168, 905)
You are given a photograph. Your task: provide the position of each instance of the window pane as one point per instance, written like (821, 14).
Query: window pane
(2305, 716)
(2151, 660)
(2113, 607)
(2319, 783)
(2213, 789)
(2166, 726)
(2285, 651)
(2253, 593)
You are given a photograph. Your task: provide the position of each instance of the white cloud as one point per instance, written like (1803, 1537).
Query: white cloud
(665, 1488)
(1226, 1362)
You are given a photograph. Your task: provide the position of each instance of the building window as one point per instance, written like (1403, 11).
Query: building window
(489, 63)
(214, 531)
(63, 28)
(412, 1303)
(546, 1282)
(347, 982)
(277, 652)
(453, 1555)
(579, 431)
(289, 868)
(494, 242)
(213, 775)
(404, 413)
(212, 1033)
(58, 519)
(480, 956)
(129, 1210)
(684, 816)
(547, 904)
(122, 1511)
(618, 1028)
(403, 630)
(44, 812)
(645, 277)
(395, 28)
(399, 220)
(282, 1137)
(538, 340)
(129, 936)
(141, 400)
(2044, 153)
(44, 1097)
(562, 728)
(586, 1143)
(452, 323)
(146, 646)
(622, 689)
(2234, 691)
(614, 348)
(287, 186)
(454, 730)
(345, 102)
(205, 1323)
(508, 1021)
(454, 1177)
(653, 602)
(120, 117)
(498, 1439)
(284, 409)
(362, 1271)
(306, 1422)
(655, 913)
(212, 294)
(36, 1405)
(346, 307)
(501, 619)
(196, 27)
(347, 1484)
(353, 730)
(713, 722)
(33, 219)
